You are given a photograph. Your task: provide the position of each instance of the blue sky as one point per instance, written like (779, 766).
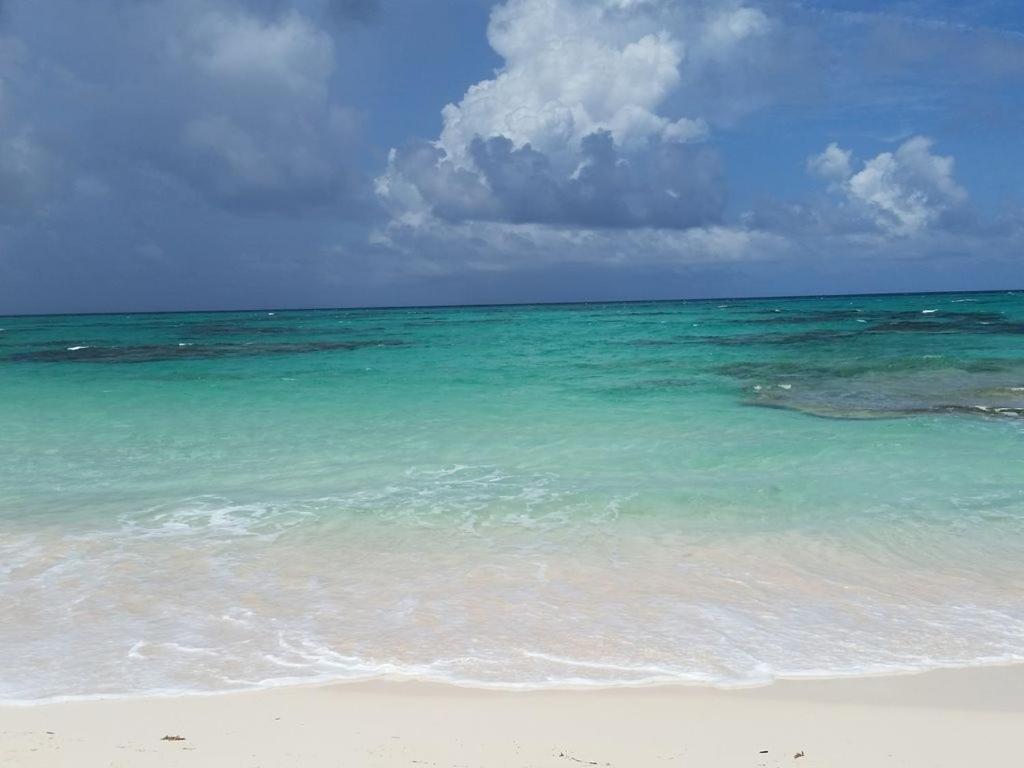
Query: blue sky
(159, 154)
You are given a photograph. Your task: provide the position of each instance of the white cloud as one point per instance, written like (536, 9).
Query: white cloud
(833, 164)
(905, 192)
(573, 67)
(733, 26)
(584, 104)
(569, 71)
(288, 52)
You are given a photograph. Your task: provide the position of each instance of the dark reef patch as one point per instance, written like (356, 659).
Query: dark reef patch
(852, 367)
(884, 388)
(448, 321)
(823, 336)
(903, 320)
(198, 330)
(648, 386)
(654, 342)
(946, 325)
(867, 414)
(151, 353)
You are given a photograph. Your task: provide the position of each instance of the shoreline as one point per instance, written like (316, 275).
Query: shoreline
(950, 717)
(568, 686)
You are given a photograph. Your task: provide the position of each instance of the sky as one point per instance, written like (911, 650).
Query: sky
(220, 154)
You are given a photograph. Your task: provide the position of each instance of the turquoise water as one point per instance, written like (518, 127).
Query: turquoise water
(718, 492)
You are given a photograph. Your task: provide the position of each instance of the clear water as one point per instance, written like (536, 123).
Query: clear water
(717, 492)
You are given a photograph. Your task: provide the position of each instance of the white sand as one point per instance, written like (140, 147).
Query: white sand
(951, 718)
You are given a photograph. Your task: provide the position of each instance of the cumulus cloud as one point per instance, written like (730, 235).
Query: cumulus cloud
(573, 128)
(832, 165)
(439, 248)
(905, 192)
(570, 69)
(668, 185)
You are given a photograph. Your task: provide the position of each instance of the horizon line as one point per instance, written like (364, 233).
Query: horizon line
(484, 305)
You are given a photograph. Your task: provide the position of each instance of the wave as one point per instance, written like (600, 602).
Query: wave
(423, 674)
(214, 596)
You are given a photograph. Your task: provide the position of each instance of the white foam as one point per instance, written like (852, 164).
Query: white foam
(135, 652)
(242, 596)
(642, 668)
(366, 672)
(75, 349)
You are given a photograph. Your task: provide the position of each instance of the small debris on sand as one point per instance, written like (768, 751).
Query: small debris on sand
(577, 760)
(173, 738)
(798, 755)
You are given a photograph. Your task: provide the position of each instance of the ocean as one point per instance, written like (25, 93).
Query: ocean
(720, 492)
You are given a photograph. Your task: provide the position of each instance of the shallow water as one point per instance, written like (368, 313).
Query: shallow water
(717, 492)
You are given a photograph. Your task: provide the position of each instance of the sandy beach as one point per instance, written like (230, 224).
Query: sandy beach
(944, 718)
